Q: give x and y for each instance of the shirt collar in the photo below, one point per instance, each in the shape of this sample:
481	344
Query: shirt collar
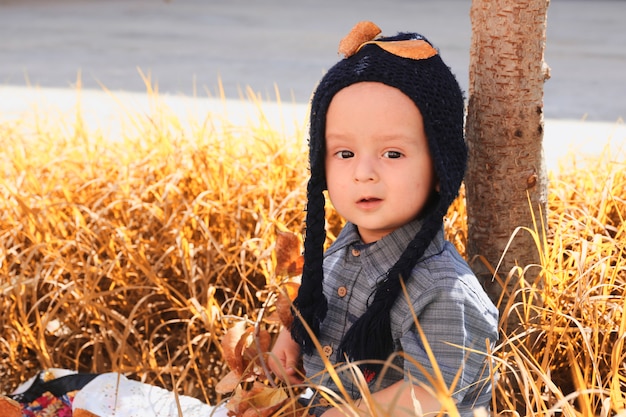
383	254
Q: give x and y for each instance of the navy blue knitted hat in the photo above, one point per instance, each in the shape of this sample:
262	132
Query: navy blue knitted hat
411	64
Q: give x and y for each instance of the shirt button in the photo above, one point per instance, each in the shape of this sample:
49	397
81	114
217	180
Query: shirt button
356	252
328	350
342	291
324	402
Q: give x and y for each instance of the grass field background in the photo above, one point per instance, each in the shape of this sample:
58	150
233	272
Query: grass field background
135	249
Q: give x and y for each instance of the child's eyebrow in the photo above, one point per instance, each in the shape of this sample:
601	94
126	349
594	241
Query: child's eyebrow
338	137
402	138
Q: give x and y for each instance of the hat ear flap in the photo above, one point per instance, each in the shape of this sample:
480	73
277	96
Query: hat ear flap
311	304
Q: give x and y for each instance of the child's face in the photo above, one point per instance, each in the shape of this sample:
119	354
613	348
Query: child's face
378	167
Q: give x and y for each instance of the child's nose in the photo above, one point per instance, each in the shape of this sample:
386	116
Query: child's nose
365	170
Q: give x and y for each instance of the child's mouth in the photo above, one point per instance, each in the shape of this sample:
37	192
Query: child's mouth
368	202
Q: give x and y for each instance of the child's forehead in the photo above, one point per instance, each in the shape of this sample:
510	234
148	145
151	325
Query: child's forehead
371	85
375	94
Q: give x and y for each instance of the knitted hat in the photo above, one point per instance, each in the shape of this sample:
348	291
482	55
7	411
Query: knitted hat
411	64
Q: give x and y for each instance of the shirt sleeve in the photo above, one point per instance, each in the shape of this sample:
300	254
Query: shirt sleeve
458	322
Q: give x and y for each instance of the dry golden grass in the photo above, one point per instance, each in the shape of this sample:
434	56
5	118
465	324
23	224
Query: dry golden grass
569	358
132	255
136	254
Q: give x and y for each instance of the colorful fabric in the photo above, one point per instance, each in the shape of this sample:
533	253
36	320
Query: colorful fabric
49	405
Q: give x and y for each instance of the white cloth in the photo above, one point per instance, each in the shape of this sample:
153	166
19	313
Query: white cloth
114	395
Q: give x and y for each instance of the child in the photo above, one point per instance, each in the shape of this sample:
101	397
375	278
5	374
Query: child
386	141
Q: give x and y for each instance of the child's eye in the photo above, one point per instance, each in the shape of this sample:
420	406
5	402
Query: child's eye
392	154
344	154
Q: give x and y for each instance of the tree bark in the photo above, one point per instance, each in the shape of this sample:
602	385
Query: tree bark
506	169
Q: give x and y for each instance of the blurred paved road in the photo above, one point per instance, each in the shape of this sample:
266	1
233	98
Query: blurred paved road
185	46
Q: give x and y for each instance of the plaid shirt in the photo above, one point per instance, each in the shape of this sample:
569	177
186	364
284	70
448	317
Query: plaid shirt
452	309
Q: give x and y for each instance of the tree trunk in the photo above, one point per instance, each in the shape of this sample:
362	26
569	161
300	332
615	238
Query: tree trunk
506	169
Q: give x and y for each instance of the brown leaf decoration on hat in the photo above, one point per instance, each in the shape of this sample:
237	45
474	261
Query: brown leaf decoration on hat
412	48
361	32
365	33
